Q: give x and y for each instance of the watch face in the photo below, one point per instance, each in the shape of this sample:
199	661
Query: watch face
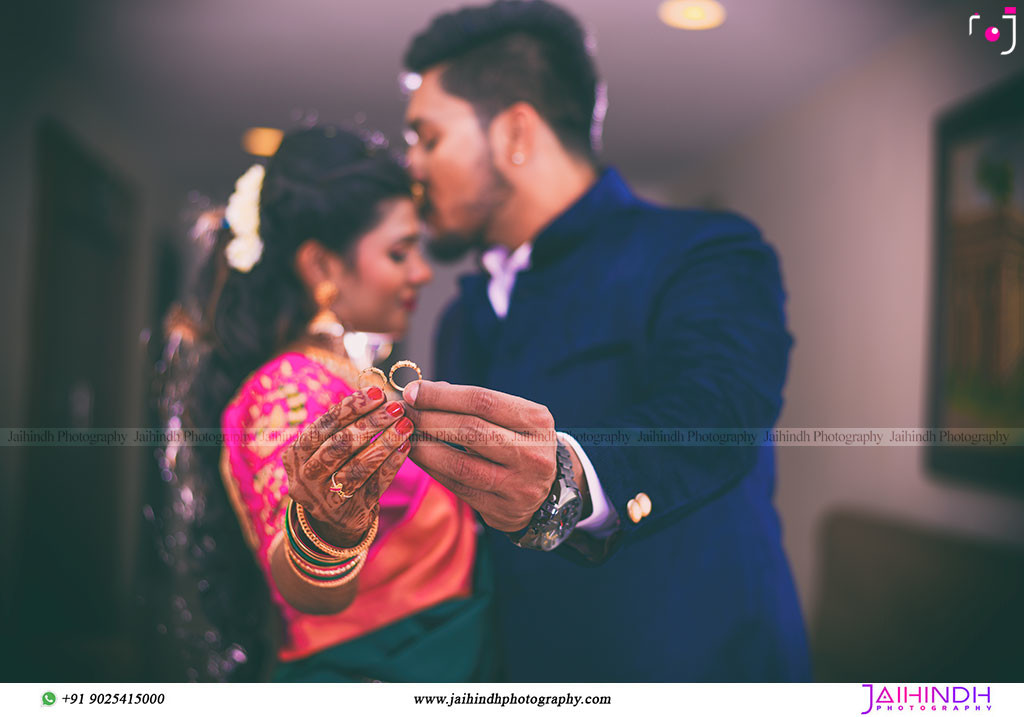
549	539
555	532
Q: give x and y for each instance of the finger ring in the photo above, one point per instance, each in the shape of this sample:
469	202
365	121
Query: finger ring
373	371
403	364
338	489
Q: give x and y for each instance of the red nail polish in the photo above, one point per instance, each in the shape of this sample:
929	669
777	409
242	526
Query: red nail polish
375	394
394	409
404	448
404	426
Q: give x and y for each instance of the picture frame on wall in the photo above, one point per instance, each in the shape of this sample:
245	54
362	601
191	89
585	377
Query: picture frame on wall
976	401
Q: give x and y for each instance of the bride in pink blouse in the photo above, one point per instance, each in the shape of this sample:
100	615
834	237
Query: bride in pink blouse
372	566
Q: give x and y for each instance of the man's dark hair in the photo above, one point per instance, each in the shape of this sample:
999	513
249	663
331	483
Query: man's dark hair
515	51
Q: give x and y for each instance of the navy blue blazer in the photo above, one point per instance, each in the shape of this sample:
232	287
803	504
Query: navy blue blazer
633	316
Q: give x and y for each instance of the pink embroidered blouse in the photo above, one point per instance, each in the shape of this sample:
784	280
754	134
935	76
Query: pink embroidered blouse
426	544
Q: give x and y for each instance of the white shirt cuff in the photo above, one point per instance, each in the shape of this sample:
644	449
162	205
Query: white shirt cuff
603	520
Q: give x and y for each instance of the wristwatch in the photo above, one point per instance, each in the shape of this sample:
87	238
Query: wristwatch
558	514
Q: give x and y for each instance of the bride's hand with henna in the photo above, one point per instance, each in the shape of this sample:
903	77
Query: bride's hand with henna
341	443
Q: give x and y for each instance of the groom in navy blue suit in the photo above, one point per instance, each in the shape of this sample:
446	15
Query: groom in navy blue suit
596	317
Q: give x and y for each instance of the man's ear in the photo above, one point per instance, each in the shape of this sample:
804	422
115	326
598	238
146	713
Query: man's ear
513	136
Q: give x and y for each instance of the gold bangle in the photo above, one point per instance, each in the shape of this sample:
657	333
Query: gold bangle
333	549
295	540
403	364
314	571
293	537
346	578
295	563
349	577
315	566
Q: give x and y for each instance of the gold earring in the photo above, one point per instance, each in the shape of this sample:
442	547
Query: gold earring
416	188
326	321
324	294
403	364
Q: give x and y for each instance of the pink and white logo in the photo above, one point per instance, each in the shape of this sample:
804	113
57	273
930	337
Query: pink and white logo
928	698
994	34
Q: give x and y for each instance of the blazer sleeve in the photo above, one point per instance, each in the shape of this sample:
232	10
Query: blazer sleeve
718	348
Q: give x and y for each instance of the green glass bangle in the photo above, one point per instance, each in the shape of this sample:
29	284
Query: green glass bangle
316	558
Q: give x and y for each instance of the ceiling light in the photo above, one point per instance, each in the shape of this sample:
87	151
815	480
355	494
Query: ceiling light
691	14
261	141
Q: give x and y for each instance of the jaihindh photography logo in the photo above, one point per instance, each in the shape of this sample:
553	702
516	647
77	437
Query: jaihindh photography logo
995	33
927	698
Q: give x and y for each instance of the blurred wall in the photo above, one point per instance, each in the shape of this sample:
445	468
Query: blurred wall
842	186
102	134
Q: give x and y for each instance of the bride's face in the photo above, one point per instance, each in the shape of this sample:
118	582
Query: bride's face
379	285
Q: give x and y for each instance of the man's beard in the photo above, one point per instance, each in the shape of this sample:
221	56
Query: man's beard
450	247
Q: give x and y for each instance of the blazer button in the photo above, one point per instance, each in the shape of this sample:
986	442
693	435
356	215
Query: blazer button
644	501
634	510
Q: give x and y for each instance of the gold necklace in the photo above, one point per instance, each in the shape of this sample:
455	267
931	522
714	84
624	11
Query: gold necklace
341	366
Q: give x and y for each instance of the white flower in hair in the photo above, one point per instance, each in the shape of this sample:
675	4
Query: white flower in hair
243	216
243	252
